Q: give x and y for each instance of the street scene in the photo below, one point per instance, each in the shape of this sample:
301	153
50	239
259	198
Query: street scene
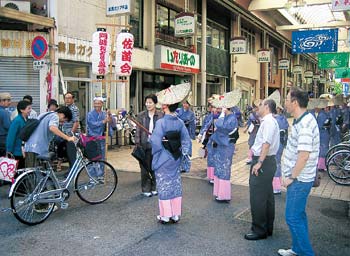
175	127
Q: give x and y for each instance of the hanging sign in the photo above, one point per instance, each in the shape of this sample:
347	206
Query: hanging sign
311	41
283	64
264	55
316	77
342	73
297	69
308	74
340	5
100	52
184	24
118	7
124	49
39	47
333	60
238	45
323	80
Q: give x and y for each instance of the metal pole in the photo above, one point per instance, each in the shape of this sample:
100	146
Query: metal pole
203	54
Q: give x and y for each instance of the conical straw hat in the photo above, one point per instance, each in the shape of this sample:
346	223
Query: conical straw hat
276	96
228	100
322	103
338	99
174	94
312	103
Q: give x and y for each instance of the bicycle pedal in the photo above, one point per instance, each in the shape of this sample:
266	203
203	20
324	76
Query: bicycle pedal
64	206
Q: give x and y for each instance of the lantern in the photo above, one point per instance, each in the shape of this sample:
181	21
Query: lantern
123	58
100	52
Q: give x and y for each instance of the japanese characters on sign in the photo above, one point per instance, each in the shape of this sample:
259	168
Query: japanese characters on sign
118	7
101	49
238	45
283	64
264	55
311	41
297	69
308	74
184	24
333	60
123	58
340	5
74	49
176	60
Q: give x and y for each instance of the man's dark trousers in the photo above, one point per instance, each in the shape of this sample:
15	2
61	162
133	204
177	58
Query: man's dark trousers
262	201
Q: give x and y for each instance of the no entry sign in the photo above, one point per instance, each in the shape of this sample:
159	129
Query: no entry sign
39	47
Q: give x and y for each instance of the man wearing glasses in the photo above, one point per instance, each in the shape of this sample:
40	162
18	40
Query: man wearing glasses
5	120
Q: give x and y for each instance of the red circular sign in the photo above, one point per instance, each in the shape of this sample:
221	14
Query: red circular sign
39	47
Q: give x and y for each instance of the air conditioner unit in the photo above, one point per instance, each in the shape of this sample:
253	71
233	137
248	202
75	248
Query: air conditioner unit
22	6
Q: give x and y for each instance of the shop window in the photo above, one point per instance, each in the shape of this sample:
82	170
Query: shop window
249	34
136	23
165	20
209	35
199	32
216	35
215	38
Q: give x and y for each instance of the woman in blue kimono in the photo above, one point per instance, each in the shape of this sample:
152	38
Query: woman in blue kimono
252	128
222	148
335	129
324	125
170	142
187	115
283	126
207	130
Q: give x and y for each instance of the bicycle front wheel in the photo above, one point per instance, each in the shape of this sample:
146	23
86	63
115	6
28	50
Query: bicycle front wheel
96	181
23	199
338	167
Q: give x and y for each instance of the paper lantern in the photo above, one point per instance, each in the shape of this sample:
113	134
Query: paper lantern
101	48
123	58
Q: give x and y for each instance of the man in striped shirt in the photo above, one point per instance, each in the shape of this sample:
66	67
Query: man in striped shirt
299	170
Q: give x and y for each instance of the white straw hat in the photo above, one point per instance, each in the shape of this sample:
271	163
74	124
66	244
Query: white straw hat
228	100
174	94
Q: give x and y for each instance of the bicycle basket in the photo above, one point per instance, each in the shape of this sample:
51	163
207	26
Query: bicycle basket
91	147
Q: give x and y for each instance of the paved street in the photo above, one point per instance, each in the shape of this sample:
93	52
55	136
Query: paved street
126	224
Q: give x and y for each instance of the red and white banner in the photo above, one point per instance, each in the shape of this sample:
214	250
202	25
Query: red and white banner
123	58
101	49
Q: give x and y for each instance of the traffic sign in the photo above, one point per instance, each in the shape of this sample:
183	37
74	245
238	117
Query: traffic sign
39	47
38	64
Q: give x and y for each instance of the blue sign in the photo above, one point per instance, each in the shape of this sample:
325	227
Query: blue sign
345	89
39	47
310	41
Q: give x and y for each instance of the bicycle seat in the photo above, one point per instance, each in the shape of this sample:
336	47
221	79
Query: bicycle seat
49	157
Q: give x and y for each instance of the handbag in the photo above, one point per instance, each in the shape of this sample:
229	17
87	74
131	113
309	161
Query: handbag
8	166
138	153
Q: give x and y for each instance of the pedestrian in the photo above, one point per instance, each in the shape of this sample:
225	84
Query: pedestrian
335	127
252	128
345	115
33	114
39	141
283	126
299	166
52	105
262	171
71	127
324	125
171	144
5	120
204	135
13	141
147	119
222	145
187	115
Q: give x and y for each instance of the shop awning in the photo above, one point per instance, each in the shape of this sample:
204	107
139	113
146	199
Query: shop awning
26	17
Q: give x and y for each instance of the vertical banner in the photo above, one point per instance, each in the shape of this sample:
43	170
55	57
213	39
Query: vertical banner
123	58
100	52
312	41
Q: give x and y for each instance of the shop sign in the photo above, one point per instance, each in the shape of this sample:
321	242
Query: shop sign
101	49
323	80
340	5
38	64
264	55
238	45
308	74
124	50
283	64
311	41
74	49
331	83
184	24
118	7
342	73
18	43
297	69
176	60
333	60
316	77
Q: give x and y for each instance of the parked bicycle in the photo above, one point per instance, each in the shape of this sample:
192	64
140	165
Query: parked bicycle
37	190
338	167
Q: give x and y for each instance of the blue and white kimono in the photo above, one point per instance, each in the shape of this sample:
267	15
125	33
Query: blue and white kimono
283	125
166	168
324	133
189	120
253	118
335	137
221	148
208	123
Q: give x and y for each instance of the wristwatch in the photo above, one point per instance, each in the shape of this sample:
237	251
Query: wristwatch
291	178
260	161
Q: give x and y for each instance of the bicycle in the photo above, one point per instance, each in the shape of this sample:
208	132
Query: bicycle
338	167
36	191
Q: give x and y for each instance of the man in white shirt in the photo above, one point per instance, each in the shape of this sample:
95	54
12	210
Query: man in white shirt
299	166
263	168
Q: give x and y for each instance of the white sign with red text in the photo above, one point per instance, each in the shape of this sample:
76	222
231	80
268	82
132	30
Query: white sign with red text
101	48
123	58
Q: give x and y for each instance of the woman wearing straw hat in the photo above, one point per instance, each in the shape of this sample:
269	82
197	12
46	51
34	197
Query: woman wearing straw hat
252	128
171	144
222	145
187	115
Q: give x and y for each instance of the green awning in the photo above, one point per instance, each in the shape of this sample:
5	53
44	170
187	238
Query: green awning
333	60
